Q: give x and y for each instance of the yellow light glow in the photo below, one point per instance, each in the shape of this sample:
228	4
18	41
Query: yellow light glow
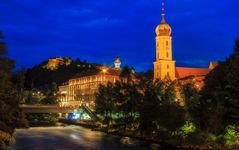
104	70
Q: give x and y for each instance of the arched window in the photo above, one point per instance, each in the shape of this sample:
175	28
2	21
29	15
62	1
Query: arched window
167	73
167	66
167	54
166	43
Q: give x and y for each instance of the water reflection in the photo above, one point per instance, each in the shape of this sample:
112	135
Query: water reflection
73	137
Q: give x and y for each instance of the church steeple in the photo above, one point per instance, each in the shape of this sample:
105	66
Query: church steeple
163	29
164	66
117	62
163	14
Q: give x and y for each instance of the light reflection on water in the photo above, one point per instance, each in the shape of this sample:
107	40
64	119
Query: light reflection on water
73	137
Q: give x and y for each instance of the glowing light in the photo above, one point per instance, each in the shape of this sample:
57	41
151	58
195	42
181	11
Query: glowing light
75	115
104	70
75	137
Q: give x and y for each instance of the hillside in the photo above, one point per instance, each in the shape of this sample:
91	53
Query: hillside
41	76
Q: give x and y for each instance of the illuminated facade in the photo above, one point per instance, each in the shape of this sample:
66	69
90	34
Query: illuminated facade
164	66
83	87
53	63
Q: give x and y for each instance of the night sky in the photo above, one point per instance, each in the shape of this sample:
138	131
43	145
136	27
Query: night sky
100	30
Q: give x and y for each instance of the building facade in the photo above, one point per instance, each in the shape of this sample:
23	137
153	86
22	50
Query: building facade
83	87
53	63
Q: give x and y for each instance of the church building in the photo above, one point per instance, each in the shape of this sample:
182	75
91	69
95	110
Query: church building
164	65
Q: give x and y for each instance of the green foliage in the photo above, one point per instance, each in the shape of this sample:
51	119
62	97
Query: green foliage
159	110
105	103
231	136
187	129
219	102
43	117
132	107
191	97
216	106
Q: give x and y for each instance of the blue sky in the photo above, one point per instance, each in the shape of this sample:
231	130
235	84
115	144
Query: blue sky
100	30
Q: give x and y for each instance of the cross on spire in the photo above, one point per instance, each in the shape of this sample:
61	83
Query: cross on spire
163	14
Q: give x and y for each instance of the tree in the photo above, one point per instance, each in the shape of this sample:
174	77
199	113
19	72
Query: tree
148	110
172	115
128	98
219	104
39	77
51	95
126	73
191	96
105	104
160	113
8	97
19	81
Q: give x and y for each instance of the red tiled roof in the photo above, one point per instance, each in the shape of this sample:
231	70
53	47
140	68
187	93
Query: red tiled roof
213	64
182	72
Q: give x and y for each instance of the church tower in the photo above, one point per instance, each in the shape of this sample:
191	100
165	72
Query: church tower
164	66
117	63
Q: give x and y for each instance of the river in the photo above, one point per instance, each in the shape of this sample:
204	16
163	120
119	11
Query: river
73	137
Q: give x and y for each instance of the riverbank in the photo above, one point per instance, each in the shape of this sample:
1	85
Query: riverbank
93	127
163	144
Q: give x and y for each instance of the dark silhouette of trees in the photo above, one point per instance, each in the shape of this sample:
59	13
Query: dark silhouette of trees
105	103
215	109
148	108
127	73
191	97
10	114
39	77
159	112
219	103
51	95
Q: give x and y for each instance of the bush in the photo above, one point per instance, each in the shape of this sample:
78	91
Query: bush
231	136
186	129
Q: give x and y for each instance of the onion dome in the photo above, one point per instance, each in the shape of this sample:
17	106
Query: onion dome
163	29
117	60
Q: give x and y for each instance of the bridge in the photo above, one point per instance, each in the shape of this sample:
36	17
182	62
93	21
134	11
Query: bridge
46	109
56	109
